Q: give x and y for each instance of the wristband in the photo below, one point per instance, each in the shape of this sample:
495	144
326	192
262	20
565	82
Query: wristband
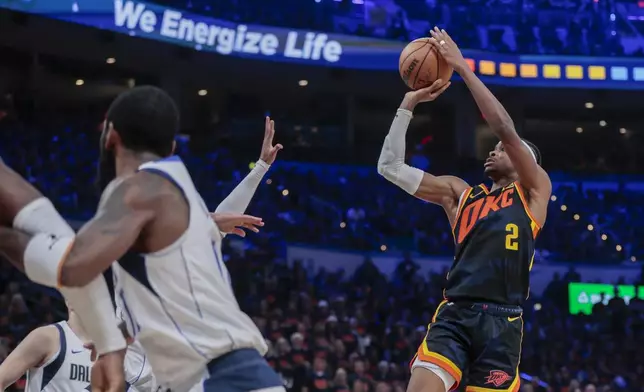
93	305
44	257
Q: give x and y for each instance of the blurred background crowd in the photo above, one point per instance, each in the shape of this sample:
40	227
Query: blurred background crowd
356	329
580	27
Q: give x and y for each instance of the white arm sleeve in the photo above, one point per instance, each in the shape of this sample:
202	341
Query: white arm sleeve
391	163
240	197
92	303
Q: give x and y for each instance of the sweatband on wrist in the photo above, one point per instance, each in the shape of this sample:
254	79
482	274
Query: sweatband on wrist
40	216
93	305
44	257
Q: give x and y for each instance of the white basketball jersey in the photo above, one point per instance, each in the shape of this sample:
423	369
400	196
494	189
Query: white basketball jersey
178	302
138	374
67	371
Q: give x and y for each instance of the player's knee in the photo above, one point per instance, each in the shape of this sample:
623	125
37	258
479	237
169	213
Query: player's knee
428	377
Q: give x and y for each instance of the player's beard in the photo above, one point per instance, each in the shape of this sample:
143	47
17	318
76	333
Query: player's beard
106	165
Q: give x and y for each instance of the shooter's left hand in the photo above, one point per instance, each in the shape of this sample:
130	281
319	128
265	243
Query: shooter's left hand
445	45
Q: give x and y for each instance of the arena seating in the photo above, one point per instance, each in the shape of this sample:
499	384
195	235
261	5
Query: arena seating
334	206
598	28
330	332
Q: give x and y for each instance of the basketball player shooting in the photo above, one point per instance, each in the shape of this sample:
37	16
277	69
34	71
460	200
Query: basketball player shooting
478	326
171	281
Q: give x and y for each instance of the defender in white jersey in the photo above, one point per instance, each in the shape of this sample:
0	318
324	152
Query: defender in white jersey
53	357
172	284
137	368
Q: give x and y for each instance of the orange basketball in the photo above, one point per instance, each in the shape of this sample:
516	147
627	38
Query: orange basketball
420	65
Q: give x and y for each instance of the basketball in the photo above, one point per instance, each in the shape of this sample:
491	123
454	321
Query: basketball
420	65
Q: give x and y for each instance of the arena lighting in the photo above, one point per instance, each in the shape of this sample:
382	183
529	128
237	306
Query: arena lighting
269	181
80	82
537	306
579	129
602	123
589	105
202	93
622	131
110	60
343	225
303	83
285	192
383	248
590	227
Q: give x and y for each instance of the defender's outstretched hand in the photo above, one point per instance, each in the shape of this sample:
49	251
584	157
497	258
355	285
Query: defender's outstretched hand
230	223
446	46
269	151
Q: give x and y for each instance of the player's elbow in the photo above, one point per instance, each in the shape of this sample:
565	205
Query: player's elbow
386	170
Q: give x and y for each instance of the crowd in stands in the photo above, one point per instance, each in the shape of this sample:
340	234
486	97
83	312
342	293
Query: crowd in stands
335	333
339	206
582	27
329	331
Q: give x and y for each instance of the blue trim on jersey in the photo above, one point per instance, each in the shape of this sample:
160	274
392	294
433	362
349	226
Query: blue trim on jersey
109	280
171	158
128	313
49	371
135	379
134	264
165	175
192	292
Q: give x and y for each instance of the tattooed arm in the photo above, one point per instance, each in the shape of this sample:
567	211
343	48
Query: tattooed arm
107	237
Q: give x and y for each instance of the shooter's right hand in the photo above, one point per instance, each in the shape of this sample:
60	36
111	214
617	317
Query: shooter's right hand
426	94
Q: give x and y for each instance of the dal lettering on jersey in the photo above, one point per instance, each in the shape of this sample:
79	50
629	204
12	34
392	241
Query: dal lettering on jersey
79	373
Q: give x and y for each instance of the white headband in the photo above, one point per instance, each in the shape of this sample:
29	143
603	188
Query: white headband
534	156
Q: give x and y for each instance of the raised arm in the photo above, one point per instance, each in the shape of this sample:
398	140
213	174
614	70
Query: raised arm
531	176
442	190
240	197
39	346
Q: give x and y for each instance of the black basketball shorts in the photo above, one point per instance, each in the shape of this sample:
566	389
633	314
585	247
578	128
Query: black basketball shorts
481	339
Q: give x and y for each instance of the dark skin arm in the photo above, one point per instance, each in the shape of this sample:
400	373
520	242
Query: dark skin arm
115	228
532	177
15	194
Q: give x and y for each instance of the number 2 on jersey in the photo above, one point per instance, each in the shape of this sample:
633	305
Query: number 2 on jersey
512	238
